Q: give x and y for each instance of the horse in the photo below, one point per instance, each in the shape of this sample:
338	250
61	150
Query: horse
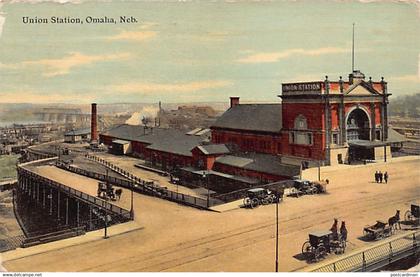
118	193
394	220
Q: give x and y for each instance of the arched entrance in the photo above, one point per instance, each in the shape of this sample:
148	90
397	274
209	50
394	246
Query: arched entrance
358	125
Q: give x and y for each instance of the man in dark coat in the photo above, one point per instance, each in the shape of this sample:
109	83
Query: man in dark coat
380	177
386	177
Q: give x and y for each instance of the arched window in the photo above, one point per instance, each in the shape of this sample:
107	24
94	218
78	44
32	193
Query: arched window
301	123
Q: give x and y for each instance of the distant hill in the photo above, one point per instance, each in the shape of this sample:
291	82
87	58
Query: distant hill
405	106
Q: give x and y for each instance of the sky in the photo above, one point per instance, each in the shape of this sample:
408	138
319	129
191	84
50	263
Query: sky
201	51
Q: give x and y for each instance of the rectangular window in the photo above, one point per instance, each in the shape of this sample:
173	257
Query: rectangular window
335	138
310	138
292	137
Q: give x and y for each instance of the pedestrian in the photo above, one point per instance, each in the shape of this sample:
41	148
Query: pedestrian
380	177
377	176
386	177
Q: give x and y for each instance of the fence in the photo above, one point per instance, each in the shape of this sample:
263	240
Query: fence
11	243
34	155
376	257
81	195
238	194
150	188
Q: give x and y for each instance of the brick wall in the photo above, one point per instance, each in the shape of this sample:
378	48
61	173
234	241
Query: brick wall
248	141
265	177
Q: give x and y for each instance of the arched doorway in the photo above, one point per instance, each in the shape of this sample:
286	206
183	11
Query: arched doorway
358	125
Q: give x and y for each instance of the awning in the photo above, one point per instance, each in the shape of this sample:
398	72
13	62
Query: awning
221	174
120	141
367	143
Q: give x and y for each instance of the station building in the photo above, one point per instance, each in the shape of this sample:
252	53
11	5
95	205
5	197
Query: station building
322	122
317	123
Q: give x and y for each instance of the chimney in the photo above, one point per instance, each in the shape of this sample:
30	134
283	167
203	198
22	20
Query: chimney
234	101
94	124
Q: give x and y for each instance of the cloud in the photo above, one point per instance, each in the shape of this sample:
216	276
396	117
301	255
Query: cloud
42	97
407	78
149	88
136	36
62	66
43	1
2	20
270	57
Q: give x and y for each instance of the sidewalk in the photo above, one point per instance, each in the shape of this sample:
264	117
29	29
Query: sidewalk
112	231
312	173
228	206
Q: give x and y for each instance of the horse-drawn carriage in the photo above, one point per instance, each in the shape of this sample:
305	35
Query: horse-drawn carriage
107	192
382	229
260	196
320	244
303	187
377	231
413	215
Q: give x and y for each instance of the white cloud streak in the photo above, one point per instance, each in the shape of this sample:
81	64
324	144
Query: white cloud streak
136	36
407	78
43	97
270	57
63	66
151	88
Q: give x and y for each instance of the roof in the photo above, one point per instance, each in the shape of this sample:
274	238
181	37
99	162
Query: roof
174	141
367	143
256	190
242	179
260	162
213	149
120	141
252	117
394	136
320	233
125	132
160	139
78	132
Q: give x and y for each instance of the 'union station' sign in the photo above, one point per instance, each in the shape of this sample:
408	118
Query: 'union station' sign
311	87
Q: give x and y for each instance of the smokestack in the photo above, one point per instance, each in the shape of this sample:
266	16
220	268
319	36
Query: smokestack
234	101
94	124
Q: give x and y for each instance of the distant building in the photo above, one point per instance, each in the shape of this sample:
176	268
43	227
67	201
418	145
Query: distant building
77	135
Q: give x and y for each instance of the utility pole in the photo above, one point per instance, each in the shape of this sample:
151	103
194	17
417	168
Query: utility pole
132	202
277	232
106	225
352	52
319	170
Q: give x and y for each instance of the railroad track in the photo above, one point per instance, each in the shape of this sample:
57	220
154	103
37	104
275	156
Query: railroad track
205	247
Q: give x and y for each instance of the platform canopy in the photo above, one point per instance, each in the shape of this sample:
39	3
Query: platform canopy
367	143
120	141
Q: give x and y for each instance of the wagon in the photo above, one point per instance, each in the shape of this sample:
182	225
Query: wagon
320	244
377	231
259	196
413	215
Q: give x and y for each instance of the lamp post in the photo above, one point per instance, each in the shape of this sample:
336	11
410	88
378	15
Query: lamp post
207	184
132	202
106	225
277	232
319	170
